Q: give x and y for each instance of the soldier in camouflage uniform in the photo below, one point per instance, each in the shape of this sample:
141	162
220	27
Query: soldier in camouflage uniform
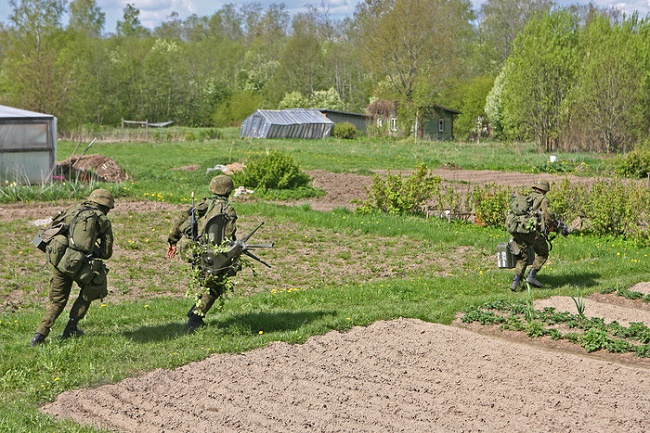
187	230
90	274
536	239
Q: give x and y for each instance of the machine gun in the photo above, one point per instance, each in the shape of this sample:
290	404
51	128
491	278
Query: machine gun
556	227
222	257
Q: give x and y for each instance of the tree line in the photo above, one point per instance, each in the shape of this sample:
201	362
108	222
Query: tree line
572	78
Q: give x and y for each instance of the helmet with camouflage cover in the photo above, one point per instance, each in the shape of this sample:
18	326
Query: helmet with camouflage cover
222	185
542	185
102	197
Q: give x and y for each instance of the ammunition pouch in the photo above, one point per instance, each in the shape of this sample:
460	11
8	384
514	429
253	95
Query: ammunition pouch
71	262
56	248
93	281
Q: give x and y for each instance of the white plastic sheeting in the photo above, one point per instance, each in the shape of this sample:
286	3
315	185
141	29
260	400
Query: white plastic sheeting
27	146
291	123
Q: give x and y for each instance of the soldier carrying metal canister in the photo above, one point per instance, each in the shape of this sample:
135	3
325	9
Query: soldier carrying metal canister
531	228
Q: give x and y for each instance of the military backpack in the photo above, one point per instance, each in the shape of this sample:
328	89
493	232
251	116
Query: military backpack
69	240
521	217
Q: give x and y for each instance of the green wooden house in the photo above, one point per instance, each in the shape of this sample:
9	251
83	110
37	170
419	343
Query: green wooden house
437	123
434	123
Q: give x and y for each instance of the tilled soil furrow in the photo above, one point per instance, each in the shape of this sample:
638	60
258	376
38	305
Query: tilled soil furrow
402	375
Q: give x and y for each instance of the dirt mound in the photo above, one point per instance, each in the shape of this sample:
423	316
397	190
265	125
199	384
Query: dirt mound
91	167
393	376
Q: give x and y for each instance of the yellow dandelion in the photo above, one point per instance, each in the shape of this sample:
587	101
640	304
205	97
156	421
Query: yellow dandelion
261	332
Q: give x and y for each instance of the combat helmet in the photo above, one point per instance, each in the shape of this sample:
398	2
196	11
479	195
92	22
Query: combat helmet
102	197
222	185
542	185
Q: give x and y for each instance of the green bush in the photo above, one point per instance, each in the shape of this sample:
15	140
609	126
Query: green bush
345	131
491	204
634	165
398	196
609	207
272	170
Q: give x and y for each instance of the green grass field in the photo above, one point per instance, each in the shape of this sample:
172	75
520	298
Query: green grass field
425	269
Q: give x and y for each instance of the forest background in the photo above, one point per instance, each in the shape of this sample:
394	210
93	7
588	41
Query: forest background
569	78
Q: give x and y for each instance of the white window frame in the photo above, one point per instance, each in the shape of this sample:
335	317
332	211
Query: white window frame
380	122
393	124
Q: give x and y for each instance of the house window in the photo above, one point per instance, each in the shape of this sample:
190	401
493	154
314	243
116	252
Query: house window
393	124
380	122
441	125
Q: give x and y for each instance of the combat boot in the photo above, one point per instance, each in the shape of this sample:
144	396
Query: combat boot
532	280
515	282
195	321
38	339
71	329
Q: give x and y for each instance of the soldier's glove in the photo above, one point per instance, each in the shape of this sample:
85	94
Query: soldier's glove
171	251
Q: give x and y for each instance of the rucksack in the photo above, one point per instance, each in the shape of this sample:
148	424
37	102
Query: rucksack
521	217
83	230
521	204
69	239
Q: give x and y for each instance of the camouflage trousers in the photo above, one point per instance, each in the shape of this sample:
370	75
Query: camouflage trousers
59	293
540	246
211	290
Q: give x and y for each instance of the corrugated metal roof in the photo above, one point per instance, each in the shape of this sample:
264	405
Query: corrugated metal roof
13	113
294	116
292	123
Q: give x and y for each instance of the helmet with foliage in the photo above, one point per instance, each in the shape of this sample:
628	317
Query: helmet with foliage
222	185
102	197
542	185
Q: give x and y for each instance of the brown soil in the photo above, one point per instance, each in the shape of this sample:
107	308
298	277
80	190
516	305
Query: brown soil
395	376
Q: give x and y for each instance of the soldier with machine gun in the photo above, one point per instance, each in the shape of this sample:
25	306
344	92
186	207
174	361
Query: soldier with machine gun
206	236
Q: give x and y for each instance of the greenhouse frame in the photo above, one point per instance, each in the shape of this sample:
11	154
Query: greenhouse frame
27	146
291	123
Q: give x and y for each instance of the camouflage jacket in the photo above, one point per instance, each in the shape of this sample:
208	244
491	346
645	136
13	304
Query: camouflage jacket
182	226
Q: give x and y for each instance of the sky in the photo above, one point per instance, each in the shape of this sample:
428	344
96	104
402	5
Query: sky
154	12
